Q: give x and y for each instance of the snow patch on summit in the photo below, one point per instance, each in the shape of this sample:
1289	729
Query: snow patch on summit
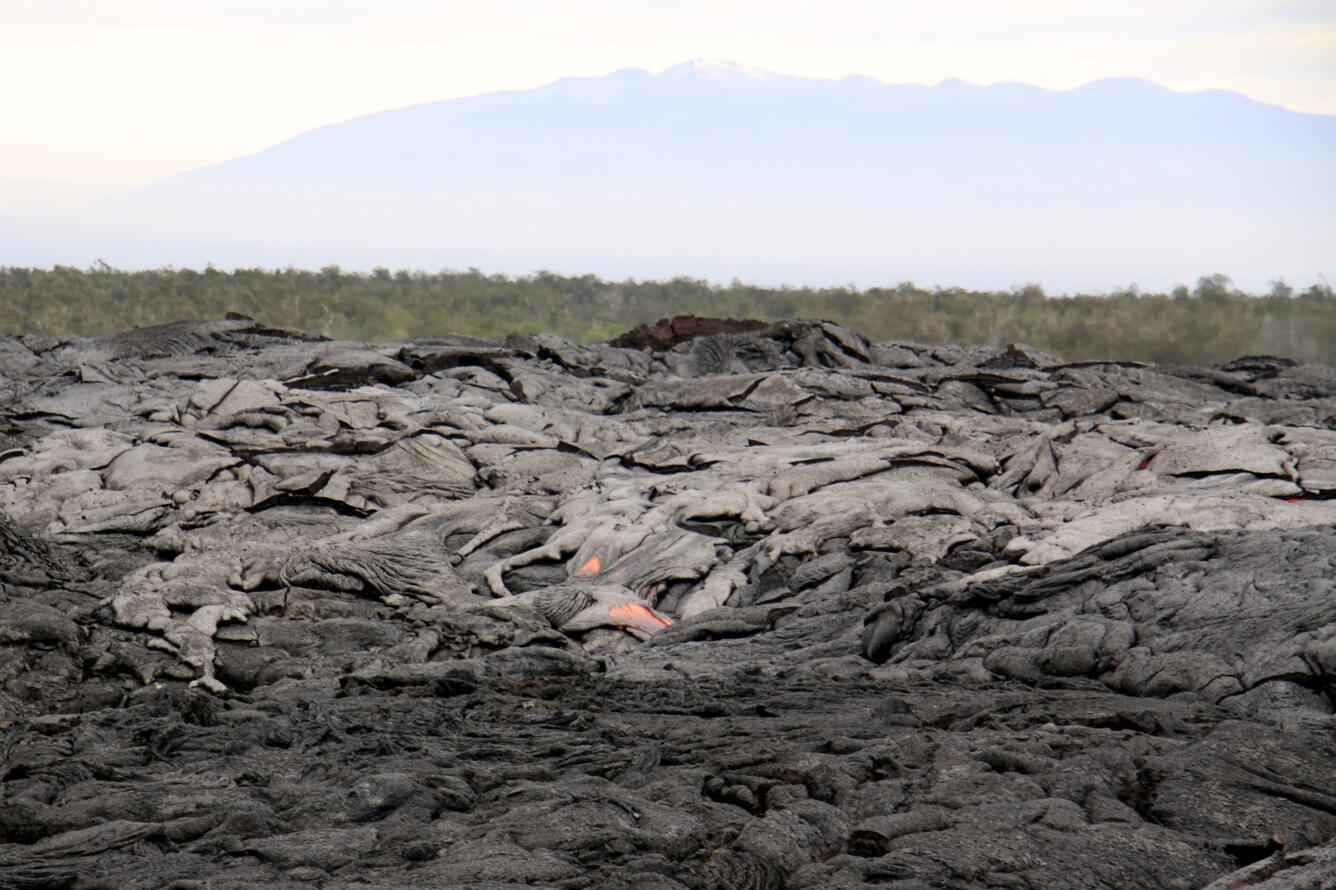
720	69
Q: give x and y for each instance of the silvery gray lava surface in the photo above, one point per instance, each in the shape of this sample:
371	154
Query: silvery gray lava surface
777	608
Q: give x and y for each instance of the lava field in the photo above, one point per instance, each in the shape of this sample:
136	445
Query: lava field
725	606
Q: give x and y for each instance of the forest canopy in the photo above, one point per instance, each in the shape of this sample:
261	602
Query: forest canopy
1211	322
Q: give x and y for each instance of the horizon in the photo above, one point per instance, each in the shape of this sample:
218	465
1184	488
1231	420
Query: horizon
951	145
385	307
1279	286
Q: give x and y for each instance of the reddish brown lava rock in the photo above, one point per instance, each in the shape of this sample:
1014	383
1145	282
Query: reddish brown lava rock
668	332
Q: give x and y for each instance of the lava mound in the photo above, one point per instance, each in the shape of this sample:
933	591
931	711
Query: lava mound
718	605
668	332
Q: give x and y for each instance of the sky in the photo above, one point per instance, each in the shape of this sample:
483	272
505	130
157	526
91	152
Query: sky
100	97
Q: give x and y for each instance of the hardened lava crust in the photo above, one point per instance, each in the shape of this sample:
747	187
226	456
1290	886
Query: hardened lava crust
733	606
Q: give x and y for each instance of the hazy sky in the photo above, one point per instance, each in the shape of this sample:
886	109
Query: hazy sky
99	96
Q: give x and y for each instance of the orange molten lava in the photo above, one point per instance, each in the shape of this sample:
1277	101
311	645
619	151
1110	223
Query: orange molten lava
629	611
592	566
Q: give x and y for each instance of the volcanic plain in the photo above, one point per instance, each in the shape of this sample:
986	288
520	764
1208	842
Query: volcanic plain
722	606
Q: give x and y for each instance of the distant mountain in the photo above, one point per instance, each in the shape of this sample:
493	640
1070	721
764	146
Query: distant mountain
718	170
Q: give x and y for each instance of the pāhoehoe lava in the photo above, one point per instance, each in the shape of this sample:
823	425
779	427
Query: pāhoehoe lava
731	606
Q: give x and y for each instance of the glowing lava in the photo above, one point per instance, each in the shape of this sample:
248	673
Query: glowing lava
631	612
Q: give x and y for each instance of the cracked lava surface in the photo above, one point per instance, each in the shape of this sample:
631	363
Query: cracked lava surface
769	608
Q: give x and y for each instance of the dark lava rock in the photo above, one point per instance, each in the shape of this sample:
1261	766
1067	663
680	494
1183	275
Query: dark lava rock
746	605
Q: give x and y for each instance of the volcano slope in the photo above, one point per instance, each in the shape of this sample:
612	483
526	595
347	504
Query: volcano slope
774	608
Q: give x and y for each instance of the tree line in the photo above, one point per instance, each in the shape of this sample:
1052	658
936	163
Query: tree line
1211	322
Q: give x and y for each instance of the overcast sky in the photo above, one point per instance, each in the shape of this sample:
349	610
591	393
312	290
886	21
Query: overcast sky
100	96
